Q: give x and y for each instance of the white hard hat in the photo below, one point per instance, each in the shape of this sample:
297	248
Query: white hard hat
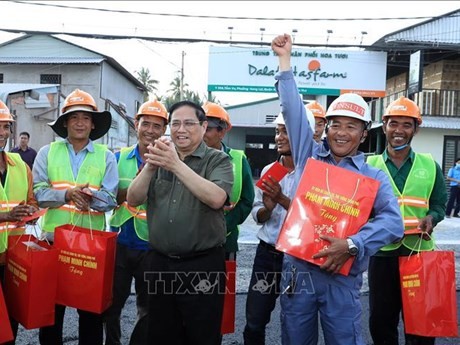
311	119
350	105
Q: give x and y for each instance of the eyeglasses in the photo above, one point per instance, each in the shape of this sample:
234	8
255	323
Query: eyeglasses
188	124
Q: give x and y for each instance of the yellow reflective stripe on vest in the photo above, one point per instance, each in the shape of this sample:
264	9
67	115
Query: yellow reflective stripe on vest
127	170
11	194
91	171
62	185
414	199
138	213
7	206
73	208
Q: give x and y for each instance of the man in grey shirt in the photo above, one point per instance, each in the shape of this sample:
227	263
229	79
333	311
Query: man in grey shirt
185	184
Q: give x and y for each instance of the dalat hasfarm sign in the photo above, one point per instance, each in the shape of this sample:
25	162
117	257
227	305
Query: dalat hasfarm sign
317	72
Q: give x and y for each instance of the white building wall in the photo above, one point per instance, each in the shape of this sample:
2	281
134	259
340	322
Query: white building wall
431	140
119	89
254	114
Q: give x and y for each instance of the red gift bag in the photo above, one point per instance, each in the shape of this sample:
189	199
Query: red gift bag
228	317
329	201
429	294
6	334
86	264
31	281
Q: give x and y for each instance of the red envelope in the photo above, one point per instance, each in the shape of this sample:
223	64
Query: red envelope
35	215
277	171
91	195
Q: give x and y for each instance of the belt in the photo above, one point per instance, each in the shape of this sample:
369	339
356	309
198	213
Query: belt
269	247
188	256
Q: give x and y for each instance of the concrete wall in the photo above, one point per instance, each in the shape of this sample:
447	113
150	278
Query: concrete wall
119	89
431	140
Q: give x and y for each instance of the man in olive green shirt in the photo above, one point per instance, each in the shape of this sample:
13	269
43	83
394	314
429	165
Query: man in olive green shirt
186	185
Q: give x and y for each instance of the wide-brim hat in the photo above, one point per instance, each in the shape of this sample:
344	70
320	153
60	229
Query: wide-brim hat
102	121
214	122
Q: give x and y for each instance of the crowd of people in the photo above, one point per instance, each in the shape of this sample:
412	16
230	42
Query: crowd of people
178	202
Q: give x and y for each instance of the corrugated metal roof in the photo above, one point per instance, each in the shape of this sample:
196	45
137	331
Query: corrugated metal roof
441	122
50	60
6	89
47	49
437	32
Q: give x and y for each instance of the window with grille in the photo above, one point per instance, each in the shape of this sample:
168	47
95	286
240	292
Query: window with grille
50	78
137	105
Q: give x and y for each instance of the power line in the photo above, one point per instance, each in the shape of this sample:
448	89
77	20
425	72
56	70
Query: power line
215	17
386	47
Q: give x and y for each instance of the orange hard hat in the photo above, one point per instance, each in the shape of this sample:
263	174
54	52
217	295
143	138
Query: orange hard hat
152	108
403	107
215	110
79	100
317	109
5	115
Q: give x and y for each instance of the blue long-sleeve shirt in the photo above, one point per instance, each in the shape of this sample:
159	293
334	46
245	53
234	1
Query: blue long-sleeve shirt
49	197
126	233
387	225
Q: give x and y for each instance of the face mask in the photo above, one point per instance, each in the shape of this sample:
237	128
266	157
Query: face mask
457	165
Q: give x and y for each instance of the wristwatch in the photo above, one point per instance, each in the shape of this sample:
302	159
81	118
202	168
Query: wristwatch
352	249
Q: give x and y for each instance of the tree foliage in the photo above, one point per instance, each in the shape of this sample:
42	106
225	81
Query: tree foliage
174	94
149	83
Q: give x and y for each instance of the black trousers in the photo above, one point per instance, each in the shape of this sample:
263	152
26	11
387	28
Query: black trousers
268	264
385	303
89	328
454	199
129	264
13	323
186	297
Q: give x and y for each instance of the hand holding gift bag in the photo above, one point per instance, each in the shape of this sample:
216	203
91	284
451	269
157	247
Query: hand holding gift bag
85	267
31	281
329	201
429	295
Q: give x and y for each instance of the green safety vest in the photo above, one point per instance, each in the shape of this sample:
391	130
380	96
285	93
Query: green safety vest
414	199
60	175
237	163
236	157
127	170
11	194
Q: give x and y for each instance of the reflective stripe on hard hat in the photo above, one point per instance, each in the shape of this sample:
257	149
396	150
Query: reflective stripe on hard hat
152	108
350	105
403	107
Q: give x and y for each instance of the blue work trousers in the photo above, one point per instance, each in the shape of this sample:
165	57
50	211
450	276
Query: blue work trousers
308	292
